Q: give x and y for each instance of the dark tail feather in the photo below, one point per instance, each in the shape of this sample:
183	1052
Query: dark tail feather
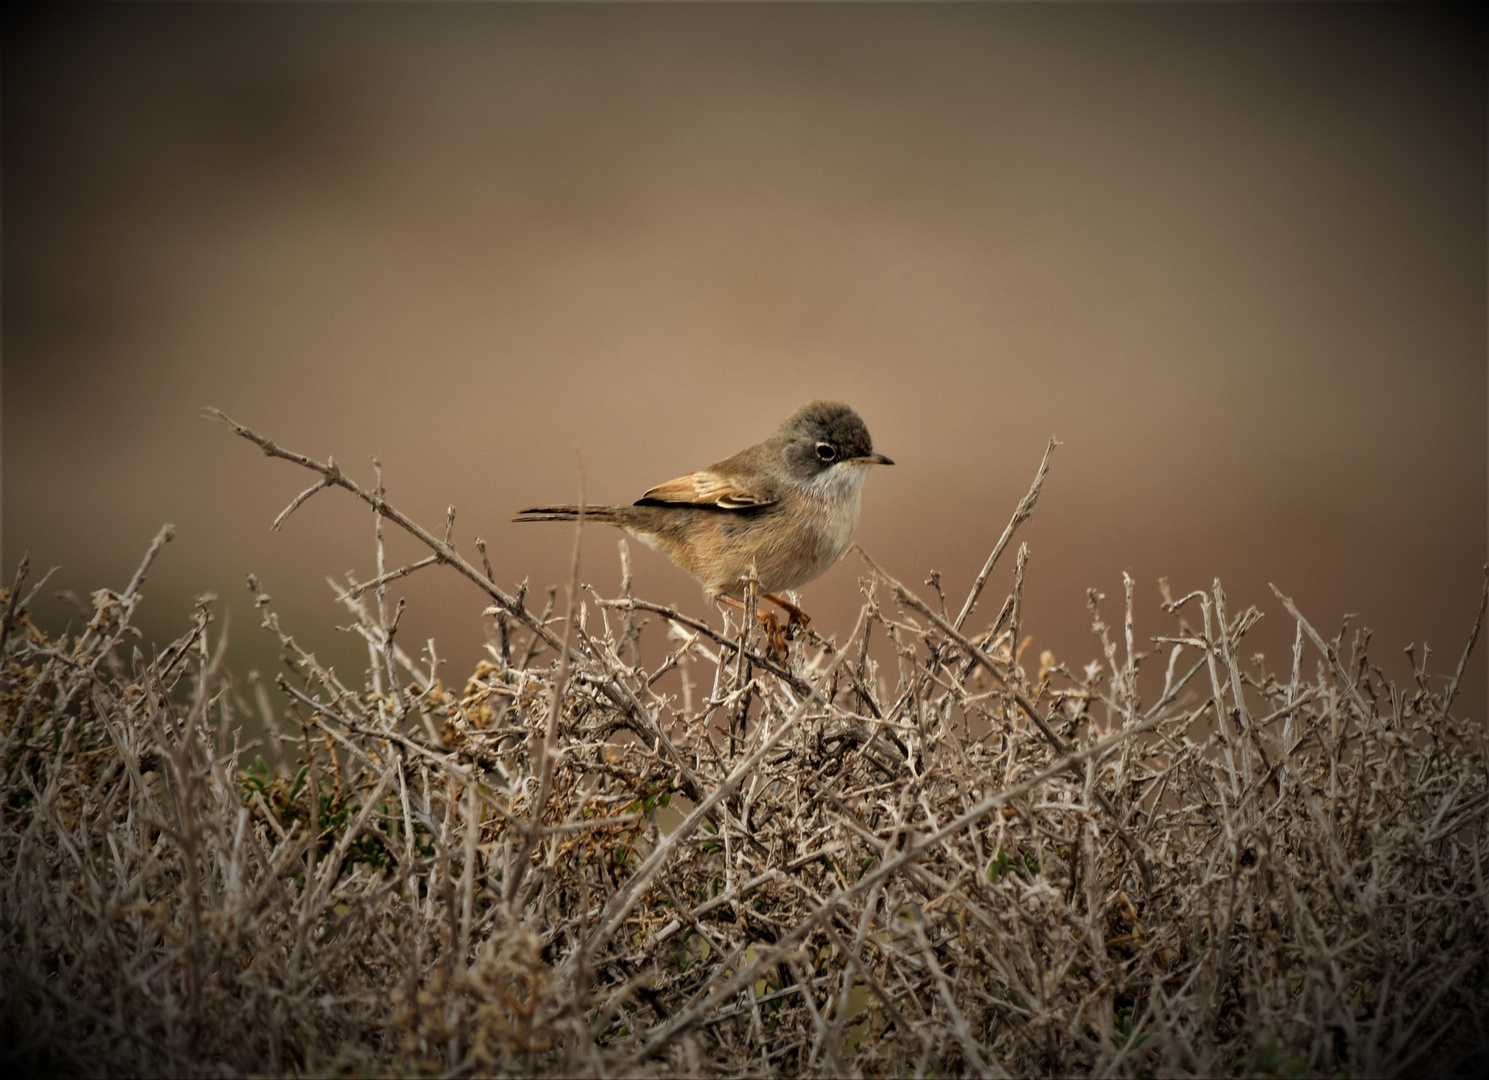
567	513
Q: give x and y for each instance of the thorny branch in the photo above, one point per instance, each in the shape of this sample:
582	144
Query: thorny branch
917	856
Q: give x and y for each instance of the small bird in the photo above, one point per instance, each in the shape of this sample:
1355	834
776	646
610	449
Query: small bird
782	511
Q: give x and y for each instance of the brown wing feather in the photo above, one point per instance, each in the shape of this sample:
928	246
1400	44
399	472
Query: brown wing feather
706	488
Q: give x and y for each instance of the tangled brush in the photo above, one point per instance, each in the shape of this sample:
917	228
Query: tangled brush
905	852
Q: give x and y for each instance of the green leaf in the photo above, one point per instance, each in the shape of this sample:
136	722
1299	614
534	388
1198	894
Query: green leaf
299	780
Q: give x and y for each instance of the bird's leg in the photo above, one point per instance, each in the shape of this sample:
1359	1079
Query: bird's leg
736	604
775	633
797	616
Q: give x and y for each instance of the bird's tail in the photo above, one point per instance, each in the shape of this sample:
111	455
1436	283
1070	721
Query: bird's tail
608	514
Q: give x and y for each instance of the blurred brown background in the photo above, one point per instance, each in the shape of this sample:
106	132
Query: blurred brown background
1234	257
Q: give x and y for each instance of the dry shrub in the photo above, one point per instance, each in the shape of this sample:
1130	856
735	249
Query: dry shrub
937	861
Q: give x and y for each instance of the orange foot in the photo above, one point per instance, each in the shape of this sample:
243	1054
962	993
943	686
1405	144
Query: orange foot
779	636
798	617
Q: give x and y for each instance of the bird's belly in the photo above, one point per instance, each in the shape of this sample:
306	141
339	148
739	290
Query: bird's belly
789	551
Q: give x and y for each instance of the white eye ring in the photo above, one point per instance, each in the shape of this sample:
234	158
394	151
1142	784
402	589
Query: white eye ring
826	451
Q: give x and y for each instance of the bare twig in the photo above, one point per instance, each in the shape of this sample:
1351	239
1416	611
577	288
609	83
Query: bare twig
1021	513
15	598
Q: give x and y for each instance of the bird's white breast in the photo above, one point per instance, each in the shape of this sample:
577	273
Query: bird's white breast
834	494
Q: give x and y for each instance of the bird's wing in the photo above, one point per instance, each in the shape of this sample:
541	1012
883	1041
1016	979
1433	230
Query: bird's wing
708	488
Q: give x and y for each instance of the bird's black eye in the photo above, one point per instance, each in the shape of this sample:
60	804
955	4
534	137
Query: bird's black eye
826	451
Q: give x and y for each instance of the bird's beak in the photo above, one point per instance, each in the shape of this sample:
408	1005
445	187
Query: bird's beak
873	459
